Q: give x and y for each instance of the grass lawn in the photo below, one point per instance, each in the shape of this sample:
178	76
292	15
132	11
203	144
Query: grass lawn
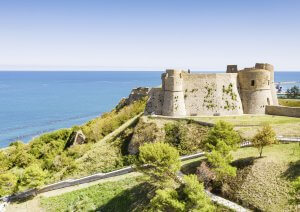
248	125
264	183
129	194
289	102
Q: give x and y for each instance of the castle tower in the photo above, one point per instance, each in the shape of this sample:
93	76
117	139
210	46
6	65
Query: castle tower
270	68
255	89
232	69
172	84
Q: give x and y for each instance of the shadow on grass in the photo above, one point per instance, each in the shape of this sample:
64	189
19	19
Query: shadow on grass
191	168
134	199
244	162
293	171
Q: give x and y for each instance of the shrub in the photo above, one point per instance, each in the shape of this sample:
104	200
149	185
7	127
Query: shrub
166	200
19	156
189	197
160	162
8	183
197	199
96	129
186	137
32	177
220	141
266	136
176	135
296	191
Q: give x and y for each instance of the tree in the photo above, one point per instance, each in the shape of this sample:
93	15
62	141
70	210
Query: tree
221	140
166	200
197	200
293	92
8	183
189	197
264	137
160	162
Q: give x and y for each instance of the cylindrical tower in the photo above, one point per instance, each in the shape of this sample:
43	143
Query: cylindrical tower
173	104
255	90
270	68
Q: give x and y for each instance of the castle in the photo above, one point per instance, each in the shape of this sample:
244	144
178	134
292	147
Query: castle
235	92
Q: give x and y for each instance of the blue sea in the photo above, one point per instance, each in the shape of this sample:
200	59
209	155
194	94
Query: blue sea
32	103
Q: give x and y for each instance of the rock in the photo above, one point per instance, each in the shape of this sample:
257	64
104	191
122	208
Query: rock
77	137
135	95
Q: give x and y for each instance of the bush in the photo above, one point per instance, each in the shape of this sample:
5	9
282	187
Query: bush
98	128
186	137
18	155
221	140
8	183
190	197
266	136
296	191
32	177
160	162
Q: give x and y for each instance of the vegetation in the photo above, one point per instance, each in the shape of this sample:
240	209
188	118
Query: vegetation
186	136
247	125
293	92
264	137
289	102
123	195
190	197
267	179
221	140
50	157
296	191
160	162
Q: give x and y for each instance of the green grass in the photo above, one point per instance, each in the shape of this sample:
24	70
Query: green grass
289	102
123	195
248	125
265	180
251	120
128	194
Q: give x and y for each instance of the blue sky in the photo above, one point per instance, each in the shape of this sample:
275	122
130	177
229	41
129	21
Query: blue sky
148	35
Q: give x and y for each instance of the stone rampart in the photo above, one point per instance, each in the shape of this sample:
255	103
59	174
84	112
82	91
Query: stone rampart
283	111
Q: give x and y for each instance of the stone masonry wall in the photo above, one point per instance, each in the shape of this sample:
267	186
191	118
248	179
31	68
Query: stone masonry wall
211	94
283	111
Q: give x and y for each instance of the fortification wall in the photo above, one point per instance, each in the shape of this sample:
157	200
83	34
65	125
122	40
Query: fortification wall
155	101
211	94
283	111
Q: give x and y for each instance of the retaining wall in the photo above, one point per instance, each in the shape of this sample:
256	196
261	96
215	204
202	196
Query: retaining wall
283	111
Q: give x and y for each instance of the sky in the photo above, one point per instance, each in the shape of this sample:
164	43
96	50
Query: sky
148	35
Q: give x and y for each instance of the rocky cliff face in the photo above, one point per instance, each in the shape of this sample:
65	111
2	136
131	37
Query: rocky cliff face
135	95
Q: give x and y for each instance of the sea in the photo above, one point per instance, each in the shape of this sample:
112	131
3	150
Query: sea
36	102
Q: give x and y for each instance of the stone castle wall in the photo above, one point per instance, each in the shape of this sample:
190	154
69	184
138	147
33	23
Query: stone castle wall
283	111
232	93
211	94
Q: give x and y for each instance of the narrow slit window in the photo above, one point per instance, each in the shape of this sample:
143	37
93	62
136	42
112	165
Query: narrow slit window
268	82
252	82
